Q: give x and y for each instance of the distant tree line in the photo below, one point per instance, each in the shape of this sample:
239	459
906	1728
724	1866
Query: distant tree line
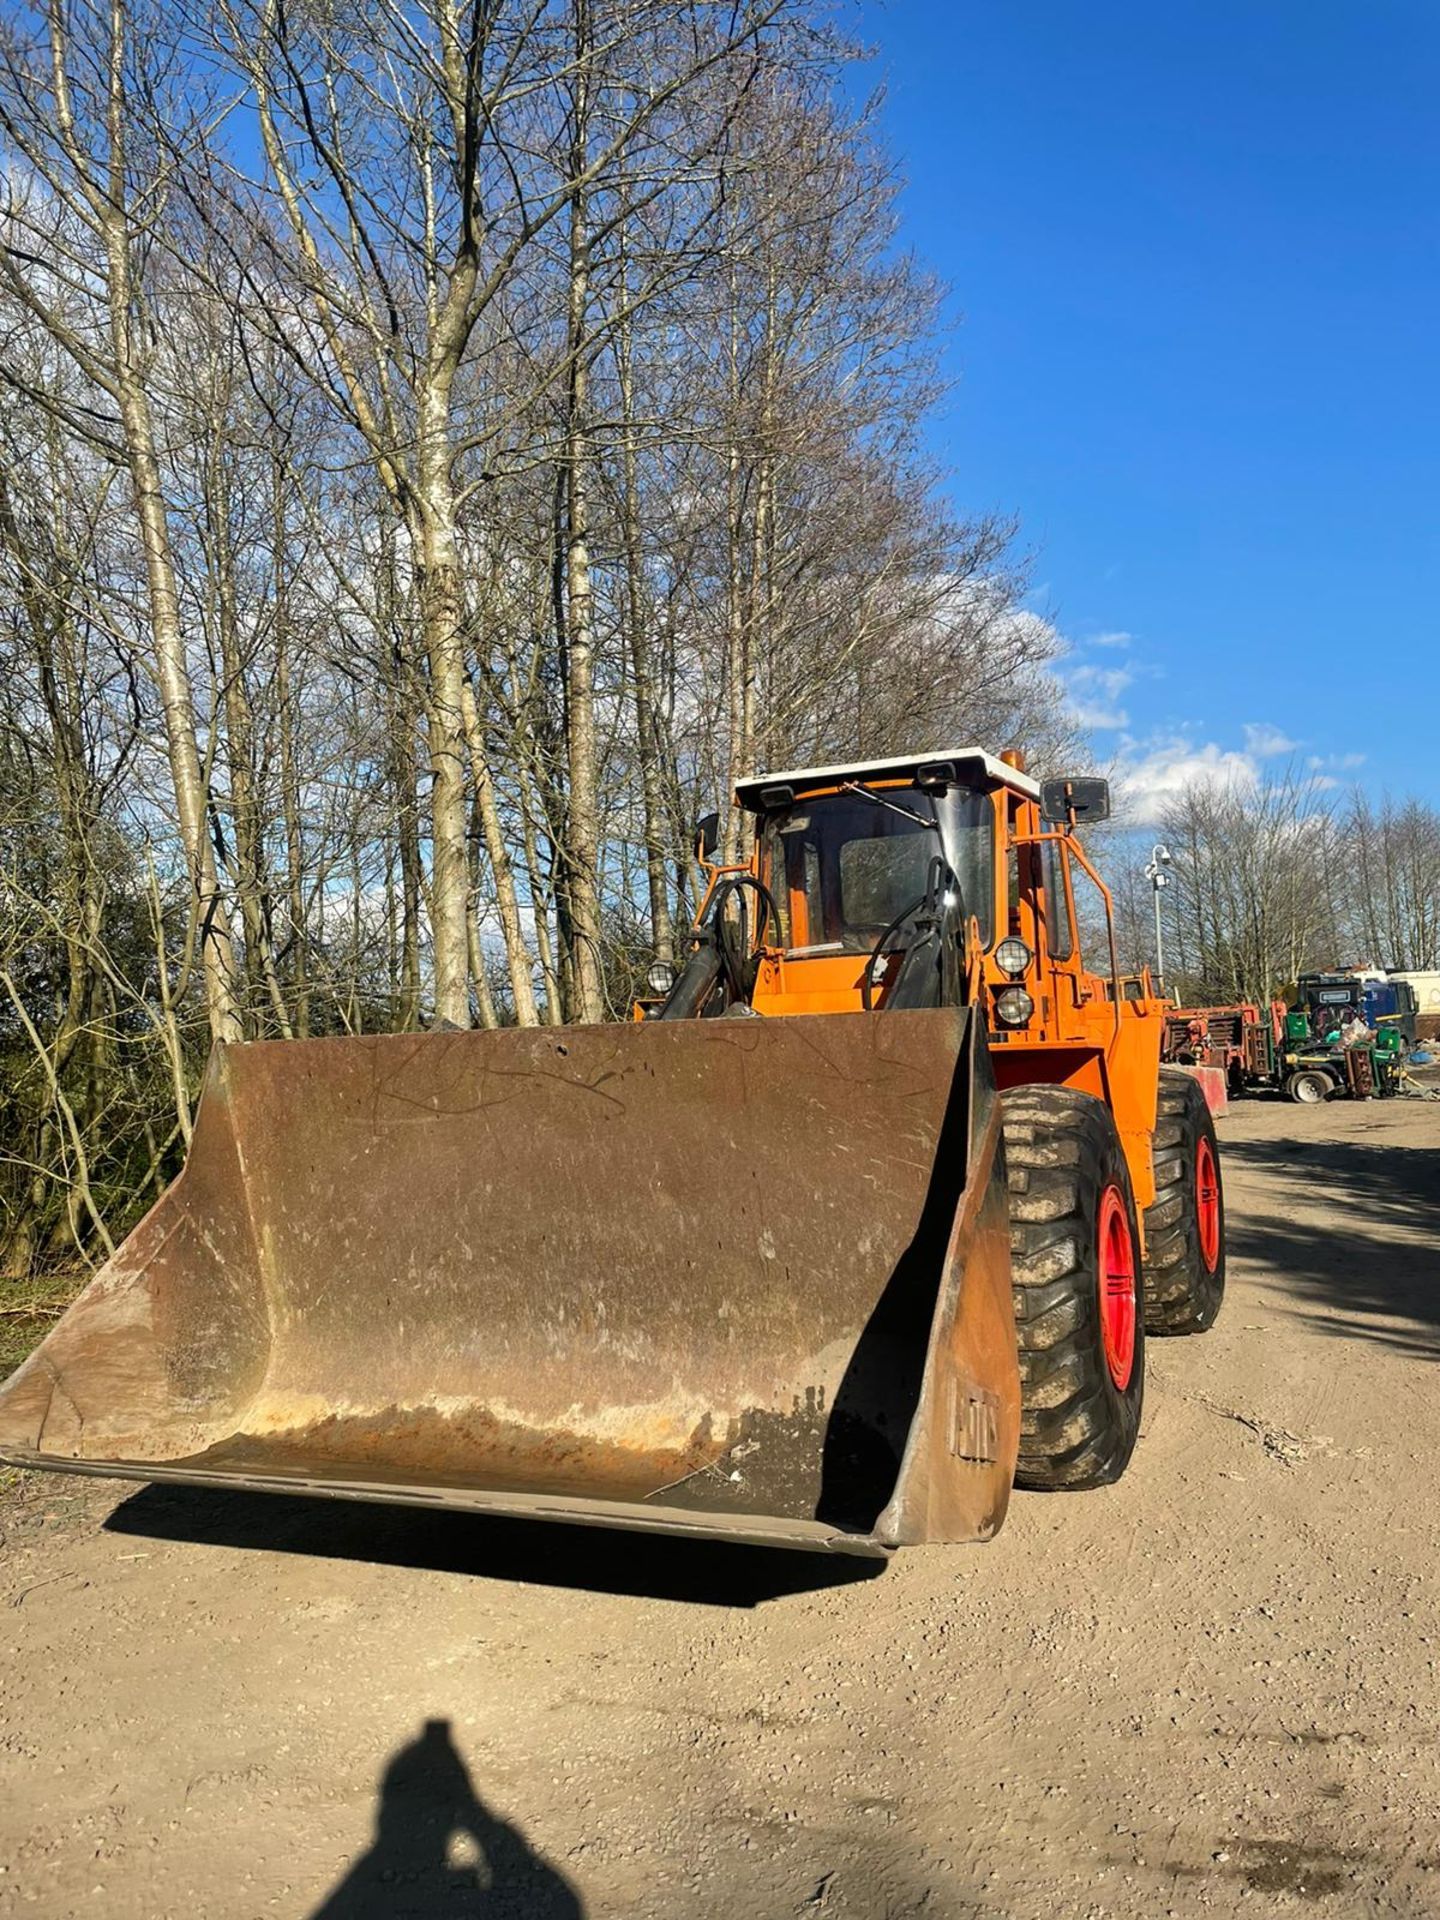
441	447
1278	876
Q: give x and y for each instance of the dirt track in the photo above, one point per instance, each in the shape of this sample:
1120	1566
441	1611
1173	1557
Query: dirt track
1212	1688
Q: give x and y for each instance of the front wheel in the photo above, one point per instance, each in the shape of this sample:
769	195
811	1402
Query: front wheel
1079	1293
1308	1087
1185	1224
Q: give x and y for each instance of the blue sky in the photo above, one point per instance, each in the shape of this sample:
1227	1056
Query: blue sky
1194	249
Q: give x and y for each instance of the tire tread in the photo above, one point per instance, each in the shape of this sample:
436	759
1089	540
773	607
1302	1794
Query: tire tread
1180	1295
1077	1429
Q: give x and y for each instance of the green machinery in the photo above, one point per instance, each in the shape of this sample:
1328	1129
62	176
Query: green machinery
1312	1060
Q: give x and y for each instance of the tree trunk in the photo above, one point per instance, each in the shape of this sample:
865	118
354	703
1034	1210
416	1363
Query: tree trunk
246	821
507	903
736	649
582	829
647	743
441	616
554	1010
217	953
299	981
402	724
737	667
484	999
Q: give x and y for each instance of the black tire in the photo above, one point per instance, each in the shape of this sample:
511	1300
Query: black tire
1185	1225
1308	1086
1069	1183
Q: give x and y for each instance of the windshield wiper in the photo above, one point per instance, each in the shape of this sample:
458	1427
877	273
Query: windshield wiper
878	800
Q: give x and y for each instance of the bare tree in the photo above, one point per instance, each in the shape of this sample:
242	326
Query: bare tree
1390	882
79	113
518	441
1251	907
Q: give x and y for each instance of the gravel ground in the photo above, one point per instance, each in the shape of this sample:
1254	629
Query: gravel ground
1211	1689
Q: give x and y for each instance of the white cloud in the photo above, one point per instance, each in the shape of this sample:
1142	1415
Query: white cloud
1267	741
1098	719
1111	640
1108	680
1150	772
1095	696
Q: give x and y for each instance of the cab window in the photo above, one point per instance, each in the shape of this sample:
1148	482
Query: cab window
1057	910
842	867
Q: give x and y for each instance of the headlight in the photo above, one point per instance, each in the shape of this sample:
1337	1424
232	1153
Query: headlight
1013	957
1014	1006
661	977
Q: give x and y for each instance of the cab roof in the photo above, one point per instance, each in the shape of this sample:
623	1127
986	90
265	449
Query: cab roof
967	767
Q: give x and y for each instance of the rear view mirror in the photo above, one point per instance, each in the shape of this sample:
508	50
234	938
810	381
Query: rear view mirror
707	829
1073	799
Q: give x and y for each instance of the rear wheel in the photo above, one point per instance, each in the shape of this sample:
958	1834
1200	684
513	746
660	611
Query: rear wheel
1079	1314
1185	1226
1309	1086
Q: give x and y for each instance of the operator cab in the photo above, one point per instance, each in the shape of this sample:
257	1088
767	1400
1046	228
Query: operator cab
863	882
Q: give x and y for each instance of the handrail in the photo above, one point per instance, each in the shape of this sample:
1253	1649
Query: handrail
1068	840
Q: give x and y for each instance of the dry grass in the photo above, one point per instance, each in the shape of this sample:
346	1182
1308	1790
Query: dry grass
28	1310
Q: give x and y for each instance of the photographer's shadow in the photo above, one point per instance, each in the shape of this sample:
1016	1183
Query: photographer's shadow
438	1852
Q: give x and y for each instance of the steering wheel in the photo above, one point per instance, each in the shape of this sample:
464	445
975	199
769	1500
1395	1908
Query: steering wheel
733	951
867	978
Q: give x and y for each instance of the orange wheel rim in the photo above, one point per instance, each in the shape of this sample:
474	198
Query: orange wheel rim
1207	1204
1117	1286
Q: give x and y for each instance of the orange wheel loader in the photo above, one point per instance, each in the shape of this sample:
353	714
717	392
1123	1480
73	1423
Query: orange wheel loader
867	1219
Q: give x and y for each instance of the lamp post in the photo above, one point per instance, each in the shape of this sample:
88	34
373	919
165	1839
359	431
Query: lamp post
1155	873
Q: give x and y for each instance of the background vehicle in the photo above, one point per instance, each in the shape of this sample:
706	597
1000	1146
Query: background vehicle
744	1267
1299	1050
1329	999
1312	1061
1424	983
1239	1040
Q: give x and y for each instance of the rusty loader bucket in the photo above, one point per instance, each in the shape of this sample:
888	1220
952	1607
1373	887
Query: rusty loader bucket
738	1277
